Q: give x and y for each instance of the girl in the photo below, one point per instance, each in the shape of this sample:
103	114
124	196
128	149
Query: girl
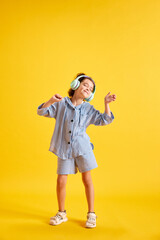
70	142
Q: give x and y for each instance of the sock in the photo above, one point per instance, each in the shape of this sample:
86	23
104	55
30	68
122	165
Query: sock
62	211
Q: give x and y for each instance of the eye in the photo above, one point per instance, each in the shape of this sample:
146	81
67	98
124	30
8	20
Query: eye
85	84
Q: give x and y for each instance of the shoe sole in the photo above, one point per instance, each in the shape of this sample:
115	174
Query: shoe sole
54	224
90	226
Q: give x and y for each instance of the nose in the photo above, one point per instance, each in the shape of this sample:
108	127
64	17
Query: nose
87	89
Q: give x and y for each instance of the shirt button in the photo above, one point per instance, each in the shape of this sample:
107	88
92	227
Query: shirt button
68	142
69	131
71	120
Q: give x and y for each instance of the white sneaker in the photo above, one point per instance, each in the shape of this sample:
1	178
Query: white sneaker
58	218
91	220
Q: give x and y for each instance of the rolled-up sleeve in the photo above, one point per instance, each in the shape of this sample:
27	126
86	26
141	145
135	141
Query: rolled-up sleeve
50	111
100	119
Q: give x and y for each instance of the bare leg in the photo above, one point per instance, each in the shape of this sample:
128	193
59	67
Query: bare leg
61	191
89	189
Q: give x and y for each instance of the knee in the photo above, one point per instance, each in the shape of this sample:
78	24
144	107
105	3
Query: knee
61	180
87	181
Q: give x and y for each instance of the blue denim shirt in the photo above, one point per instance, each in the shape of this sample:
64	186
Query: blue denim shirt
69	137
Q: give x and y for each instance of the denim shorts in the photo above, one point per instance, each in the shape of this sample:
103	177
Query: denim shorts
82	163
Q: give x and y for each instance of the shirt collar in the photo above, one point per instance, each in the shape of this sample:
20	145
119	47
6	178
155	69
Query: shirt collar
68	100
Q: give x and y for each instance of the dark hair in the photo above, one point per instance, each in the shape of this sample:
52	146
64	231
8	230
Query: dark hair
71	91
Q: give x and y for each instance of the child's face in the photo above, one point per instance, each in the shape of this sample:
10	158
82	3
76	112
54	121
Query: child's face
85	88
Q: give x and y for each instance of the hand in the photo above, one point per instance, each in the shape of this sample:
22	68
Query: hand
57	98
109	98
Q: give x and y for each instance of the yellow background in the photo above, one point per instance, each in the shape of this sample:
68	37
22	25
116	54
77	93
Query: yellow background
44	44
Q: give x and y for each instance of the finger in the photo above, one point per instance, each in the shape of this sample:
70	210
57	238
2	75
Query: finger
58	96
113	96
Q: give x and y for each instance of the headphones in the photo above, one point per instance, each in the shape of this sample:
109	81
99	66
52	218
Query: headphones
75	84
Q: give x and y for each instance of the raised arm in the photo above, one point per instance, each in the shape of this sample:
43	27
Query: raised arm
101	119
55	98
108	98
49	108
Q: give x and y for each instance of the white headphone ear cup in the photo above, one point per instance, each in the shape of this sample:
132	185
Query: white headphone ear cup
90	97
75	84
